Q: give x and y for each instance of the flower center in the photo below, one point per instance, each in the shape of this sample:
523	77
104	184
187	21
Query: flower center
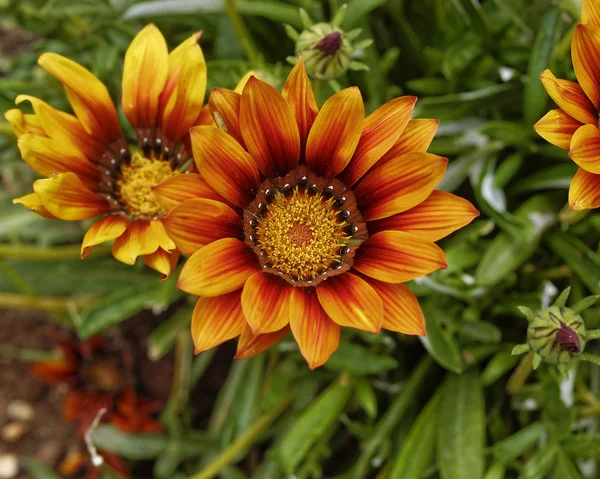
304	228
134	185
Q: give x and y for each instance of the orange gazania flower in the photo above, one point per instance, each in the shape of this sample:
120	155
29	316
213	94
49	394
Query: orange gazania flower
91	170
574	126
307	219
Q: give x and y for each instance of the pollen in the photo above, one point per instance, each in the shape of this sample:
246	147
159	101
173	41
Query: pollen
134	186
301	234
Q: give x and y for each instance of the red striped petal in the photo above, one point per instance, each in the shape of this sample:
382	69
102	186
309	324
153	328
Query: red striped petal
33	203
569	97
179	188
590	12
584	193
416	137
266	302
105	229
252	344
224	106
557	127
585	50
137	240
162	261
585	148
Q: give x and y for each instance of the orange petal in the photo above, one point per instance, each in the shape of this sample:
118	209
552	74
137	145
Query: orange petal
22	123
335	133
67	198
183	102
218	268
381	131
439	215
105	229
177	189
269	128
557	127
216	320
88	96
416	137
569	97
584	193
199	221
162	261
205	117
590	12
397	257
138	240
33	203
349	301
54	371
239	88
225	165
317	335
252	344
298	92
224	106
164	241
266	302
401	310
145	74
585	50
585	148
399	184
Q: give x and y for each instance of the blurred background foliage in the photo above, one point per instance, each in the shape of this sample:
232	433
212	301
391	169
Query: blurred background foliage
453	405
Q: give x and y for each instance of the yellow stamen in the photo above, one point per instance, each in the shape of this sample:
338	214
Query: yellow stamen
301	234
134	186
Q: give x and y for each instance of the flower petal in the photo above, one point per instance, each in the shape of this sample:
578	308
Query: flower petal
137	240
381	131
401	310
22	123
399	184
182	103
216	320
266	302
557	127
397	257
590	12
162	261
218	268
145	74
252	344
105	229
239	88
349	301
416	137
439	215
225	165
33	203
177	189
269	128
317	335
584	193
88	96
67	198
199	221
585	148
335	133
224	106
569	97
298	92
164	241
585	50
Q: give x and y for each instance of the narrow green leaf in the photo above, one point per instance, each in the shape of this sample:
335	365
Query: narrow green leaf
502	362
496	471
516	445
162	339
440	343
365	395
39	470
540	463
358	10
461	430
564	467
481	331
359	360
137	447
473	13
554	177
582	445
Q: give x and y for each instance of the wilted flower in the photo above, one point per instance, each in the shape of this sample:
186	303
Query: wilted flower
91	171
308	219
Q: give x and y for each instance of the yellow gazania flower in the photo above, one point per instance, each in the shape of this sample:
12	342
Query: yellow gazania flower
90	169
574	126
308	219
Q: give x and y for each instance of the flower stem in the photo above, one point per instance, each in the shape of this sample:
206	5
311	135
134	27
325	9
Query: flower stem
43	303
242	33
520	375
56	253
180	391
244	441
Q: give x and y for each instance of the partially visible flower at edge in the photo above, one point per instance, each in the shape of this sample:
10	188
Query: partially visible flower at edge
91	170
315	218
574	126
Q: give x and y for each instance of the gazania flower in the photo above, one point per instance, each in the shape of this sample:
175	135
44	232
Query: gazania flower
91	170
574	126
307	219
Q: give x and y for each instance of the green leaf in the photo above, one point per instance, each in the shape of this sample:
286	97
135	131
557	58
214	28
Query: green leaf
502	362
564	467
162	339
461	430
440	343
365	395
417	450
313	423
359	360
473	13
540	463
535	98
137	447
39	470
358	10
480	331
516	445
553	177
582	445
496	471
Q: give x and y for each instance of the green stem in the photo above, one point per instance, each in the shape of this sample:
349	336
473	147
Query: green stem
56	253
520	375
243	442
392	416
43	303
200	365
592	334
242	33
180	391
